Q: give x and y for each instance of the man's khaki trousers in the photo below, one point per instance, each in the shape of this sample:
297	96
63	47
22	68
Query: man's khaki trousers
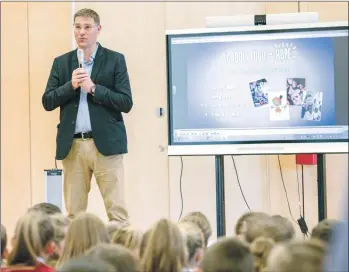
84	159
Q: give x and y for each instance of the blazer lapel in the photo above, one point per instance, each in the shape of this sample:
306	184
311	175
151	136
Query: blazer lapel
74	61
97	63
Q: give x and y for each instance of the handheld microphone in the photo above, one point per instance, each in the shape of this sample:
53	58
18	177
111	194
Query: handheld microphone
81	57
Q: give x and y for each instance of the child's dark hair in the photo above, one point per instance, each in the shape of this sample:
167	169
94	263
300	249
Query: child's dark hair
3	239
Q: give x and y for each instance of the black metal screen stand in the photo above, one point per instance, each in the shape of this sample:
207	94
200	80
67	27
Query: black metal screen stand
321	186
220	195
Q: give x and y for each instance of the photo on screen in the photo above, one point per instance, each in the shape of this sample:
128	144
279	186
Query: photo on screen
278	107
259	92
295	88
312	106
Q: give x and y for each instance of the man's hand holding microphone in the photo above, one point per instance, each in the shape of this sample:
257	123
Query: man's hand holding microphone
80	78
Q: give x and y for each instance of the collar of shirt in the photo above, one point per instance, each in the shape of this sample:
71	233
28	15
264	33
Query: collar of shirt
92	56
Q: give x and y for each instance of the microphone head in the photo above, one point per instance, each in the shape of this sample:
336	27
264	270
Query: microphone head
80	57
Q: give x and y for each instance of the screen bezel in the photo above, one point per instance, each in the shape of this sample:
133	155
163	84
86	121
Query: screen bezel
241	148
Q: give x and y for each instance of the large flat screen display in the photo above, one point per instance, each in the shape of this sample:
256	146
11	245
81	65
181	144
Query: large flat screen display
259	90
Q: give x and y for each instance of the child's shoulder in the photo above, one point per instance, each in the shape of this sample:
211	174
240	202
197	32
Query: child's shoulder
44	268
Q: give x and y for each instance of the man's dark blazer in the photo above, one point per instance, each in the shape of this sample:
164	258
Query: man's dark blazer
112	97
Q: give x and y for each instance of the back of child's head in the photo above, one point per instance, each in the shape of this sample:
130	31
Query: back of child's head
3	240
47	208
272	228
228	255
195	240
113	226
260	249
165	248
34	231
324	229
128	237
60	224
289	230
86	264
121	258
304	256
248	219
85	231
201	221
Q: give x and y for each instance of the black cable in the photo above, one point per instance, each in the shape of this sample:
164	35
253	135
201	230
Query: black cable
237	177
180	189
299	195
302	214
288	203
303	191
56	163
305	234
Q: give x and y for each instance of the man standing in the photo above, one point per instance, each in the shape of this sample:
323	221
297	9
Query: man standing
91	136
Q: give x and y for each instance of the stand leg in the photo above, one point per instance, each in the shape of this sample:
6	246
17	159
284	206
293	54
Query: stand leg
321	186
220	195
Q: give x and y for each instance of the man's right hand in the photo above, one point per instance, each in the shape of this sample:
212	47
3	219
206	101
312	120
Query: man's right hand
78	76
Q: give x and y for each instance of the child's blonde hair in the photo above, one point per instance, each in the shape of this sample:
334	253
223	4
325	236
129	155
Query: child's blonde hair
85	231
264	234
113	226
34	231
305	256
165	249
229	255
60	224
270	227
194	237
324	229
128	237
247	220
260	249
201	221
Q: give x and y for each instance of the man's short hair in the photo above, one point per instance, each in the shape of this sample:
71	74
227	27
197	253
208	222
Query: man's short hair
3	239
88	13
47	208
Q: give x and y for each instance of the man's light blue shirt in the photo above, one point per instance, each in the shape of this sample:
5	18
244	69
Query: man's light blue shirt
83	122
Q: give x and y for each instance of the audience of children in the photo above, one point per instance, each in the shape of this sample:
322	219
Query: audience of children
46	241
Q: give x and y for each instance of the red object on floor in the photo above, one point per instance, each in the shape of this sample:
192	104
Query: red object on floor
306	159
